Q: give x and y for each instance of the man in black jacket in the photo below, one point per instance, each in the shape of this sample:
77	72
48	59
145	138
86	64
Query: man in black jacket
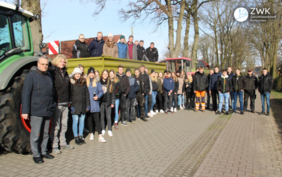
145	77
125	88
59	122
140	95
212	87
208	93
199	87
237	87
80	48
152	53
250	83
265	87
141	52
38	106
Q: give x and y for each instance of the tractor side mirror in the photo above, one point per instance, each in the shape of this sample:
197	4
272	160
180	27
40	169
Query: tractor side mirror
42	45
187	63
36	17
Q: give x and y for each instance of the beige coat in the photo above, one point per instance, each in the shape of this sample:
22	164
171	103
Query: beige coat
110	49
180	88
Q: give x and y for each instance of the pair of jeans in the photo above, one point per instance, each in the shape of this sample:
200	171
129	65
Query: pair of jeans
154	95
75	119
252	95
39	135
106	114
224	96
174	100
123	106
146	105
140	107
189	100
231	100
214	94
96	117
131	109
59	126
180	98
168	101
116	110
236	94
208	99
265	95
159	101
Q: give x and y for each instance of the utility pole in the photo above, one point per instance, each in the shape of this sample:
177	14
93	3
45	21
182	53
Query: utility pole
132	31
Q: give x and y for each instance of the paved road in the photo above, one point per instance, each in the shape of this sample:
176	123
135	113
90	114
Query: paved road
183	144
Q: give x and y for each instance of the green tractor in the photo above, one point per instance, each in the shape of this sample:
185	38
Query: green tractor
16	60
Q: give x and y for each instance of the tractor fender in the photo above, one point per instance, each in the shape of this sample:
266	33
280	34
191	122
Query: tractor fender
8	73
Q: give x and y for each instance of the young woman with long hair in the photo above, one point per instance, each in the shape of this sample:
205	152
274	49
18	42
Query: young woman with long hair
175	90
155	88
159	100
188	87
117	91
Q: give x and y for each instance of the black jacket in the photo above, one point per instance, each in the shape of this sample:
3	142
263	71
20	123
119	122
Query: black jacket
141	85
80	50
117	89
176	86
155	86
108	97
141	53
237	84
152	54
223	84
250	83
38	94
265	83
124	83
189	88
200	82
61	84
145	79
79	96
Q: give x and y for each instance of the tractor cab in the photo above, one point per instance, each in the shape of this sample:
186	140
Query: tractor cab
174	64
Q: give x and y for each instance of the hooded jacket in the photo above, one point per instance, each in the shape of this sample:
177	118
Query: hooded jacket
265	83
124	83
168	84
79	96
152	54
237	83
110	49
61	85
134	87
80	50
224	84
122	50
38	94
94	104
141	85
250	83
145	79
200	82
213	80
117	89
134	51
96	47
141	53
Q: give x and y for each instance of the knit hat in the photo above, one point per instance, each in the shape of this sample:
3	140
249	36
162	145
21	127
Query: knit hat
128	69
110	35
121	37
91	70
76	70
165	71
152	71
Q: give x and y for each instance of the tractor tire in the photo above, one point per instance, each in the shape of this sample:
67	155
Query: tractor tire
13	135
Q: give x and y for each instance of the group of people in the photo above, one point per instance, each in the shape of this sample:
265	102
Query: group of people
51	92
122	49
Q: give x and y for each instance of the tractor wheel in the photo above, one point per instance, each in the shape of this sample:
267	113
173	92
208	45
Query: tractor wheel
14	131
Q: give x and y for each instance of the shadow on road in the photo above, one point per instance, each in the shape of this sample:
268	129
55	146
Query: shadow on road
276	105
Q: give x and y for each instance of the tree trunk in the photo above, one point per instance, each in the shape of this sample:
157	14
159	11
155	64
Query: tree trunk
186	37
196	38
36	26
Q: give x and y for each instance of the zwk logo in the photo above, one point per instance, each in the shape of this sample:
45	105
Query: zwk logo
241	14
262	11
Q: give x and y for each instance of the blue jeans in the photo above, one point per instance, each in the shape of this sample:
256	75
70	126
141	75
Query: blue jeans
146	105
240	94
266	95
75	124
181	99
224	96
231	100
116	110
154	95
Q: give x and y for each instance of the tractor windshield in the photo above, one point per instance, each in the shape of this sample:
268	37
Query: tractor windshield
5	39
21	34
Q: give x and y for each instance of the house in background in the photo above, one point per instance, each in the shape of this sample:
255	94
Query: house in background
202	63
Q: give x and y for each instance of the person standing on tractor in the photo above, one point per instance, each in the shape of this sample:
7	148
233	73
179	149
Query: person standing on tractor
212	87
152	53
110	47
265	87
142	52
122	47
200	85
38	106
132	49
250	83
136	42
96	45
80	48
59	122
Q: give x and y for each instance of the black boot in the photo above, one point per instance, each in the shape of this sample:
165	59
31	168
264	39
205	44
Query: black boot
81	139
77	141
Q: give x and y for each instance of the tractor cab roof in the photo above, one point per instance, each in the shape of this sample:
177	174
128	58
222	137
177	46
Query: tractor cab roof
182	58
4	5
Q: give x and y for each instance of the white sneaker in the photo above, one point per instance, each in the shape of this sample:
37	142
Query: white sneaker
161	111
150	115
102	139
103	132
156	111
171	109
91	136
110	133
152	112
181	107
175	110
